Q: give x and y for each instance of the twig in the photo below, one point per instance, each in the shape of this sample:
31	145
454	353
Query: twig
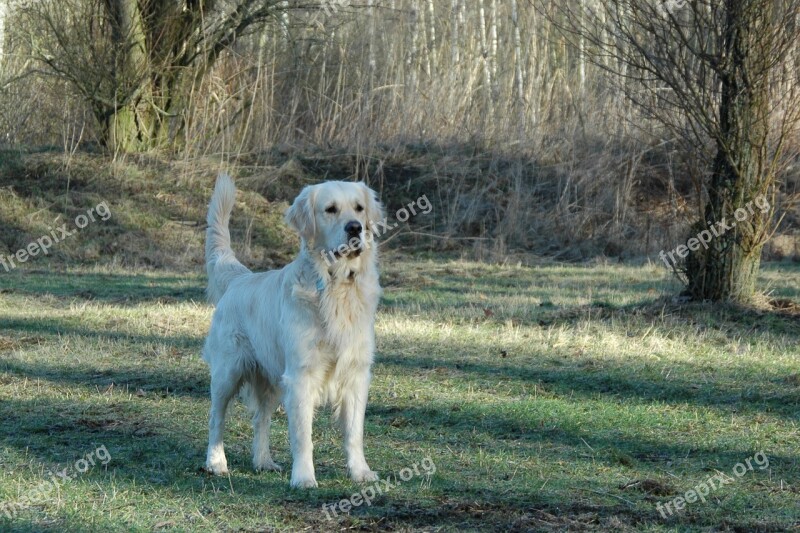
607	494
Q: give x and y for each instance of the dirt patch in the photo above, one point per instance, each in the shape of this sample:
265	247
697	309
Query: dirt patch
9	344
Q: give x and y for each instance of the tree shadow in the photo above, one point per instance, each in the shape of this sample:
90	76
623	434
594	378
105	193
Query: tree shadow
592	379
113	288
172	377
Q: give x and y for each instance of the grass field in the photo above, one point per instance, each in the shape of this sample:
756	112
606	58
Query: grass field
548	398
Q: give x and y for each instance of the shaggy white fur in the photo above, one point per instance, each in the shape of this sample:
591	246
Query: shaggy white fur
302	335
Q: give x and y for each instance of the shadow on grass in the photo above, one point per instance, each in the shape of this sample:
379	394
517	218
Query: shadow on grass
526	432
116	289
592	380
167	380
171	376
736	322
47	326
450	295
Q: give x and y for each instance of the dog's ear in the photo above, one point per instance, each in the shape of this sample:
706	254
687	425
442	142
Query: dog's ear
301	215
374	208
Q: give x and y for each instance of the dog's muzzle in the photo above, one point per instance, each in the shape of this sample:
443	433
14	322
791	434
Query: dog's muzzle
354	243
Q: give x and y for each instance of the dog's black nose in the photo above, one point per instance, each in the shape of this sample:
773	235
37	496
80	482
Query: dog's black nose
353	228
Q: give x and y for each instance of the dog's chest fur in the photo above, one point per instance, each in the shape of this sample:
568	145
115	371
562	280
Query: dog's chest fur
346	311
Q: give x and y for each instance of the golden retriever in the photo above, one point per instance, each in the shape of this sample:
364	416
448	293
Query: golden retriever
302	335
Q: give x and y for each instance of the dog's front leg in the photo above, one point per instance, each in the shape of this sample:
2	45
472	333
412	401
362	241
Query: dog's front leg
351	418
224	383
301	397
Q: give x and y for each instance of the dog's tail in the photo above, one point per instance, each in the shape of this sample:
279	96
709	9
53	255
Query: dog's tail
221	263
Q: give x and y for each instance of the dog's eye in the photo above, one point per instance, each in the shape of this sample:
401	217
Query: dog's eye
359	207
331	209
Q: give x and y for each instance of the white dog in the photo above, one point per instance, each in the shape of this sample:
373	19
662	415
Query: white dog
303	334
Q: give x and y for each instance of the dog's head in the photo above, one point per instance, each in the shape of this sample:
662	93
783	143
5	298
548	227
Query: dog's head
335	219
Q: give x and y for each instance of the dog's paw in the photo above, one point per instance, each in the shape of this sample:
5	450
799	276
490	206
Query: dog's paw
217	468
364	475
216	463
268	466
304	483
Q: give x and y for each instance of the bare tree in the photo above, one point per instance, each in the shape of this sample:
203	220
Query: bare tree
135	62
519	81
712	72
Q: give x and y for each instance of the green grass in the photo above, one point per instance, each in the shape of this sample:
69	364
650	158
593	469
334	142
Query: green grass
548	397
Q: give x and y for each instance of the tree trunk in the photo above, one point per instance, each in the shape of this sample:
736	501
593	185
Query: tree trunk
128	130
136	61
737	214
127	125
519	77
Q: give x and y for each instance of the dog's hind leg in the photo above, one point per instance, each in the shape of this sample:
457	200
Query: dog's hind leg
264	399
224	384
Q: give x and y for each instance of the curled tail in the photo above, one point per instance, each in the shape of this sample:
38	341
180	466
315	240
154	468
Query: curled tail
221	263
